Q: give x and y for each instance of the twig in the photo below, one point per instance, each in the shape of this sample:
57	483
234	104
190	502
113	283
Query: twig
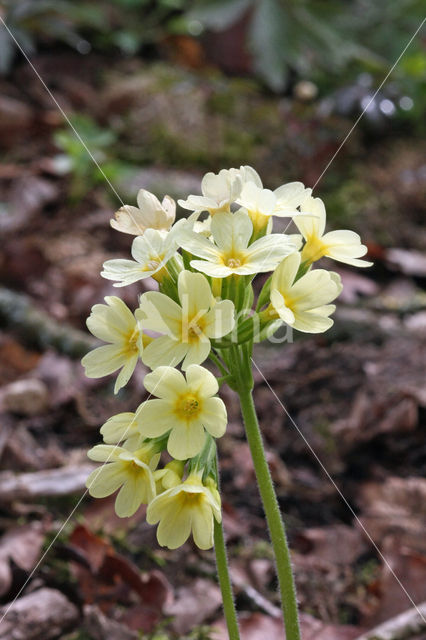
36	328
50	482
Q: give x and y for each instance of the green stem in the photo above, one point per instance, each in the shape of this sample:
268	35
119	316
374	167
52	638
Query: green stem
218	363
273	515
225	582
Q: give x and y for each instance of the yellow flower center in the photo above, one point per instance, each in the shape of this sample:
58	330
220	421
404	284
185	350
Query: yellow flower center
152	265
225	208
131	342
193	329
188	406
258	219
190	499
314	249
289	302
234	259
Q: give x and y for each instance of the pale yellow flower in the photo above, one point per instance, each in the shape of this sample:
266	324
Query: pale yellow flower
262	203
187	508
151	253
219	192
231	252
186	408
344	245
303	304
149	214
130	470
188	326
122	427
113	322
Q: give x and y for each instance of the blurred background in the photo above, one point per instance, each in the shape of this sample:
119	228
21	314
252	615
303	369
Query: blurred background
162	92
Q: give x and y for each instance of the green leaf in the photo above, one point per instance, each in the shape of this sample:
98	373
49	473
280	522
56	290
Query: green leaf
219	14
268	38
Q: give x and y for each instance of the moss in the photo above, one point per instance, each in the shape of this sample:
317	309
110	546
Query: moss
323	430
222	103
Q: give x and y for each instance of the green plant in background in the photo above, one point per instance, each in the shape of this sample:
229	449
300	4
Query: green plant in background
85	24
34	22
79	164
315	38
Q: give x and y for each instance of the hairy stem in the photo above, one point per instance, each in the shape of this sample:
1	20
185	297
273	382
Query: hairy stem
225	582
273	515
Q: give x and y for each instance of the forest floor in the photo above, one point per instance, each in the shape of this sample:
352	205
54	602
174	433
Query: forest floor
344	417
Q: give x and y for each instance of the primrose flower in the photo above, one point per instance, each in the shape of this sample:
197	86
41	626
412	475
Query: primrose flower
303	304
149	214
344	245
151	253
230	253
122	426
262	203
185	407
219	192
187	508
130	470
188	326
113	322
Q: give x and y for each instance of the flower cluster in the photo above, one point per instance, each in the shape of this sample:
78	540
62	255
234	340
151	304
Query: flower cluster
204	308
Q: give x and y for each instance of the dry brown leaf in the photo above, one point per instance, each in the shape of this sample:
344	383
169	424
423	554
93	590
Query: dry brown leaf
194	604
22	545
108	578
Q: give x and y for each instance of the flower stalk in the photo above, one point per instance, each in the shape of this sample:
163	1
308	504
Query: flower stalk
205	307
273	516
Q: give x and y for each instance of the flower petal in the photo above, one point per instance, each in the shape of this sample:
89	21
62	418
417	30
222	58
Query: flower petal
165	382
198	351
186	441
126	373
202	526
103	360
201	381
161	313
154	418
214	417
119	427
219	321
285	273
164	351
106	479
194	293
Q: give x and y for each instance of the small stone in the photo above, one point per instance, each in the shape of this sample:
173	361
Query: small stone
28	397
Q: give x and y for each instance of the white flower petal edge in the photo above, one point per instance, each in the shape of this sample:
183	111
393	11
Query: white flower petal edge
304	304
116	324
150	214
151	253
231	252
343	245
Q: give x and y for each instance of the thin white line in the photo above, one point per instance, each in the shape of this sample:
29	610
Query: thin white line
372	99
66	118
72	513
364	111
340	494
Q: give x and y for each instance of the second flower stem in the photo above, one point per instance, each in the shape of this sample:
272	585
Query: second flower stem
273	516
225	582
